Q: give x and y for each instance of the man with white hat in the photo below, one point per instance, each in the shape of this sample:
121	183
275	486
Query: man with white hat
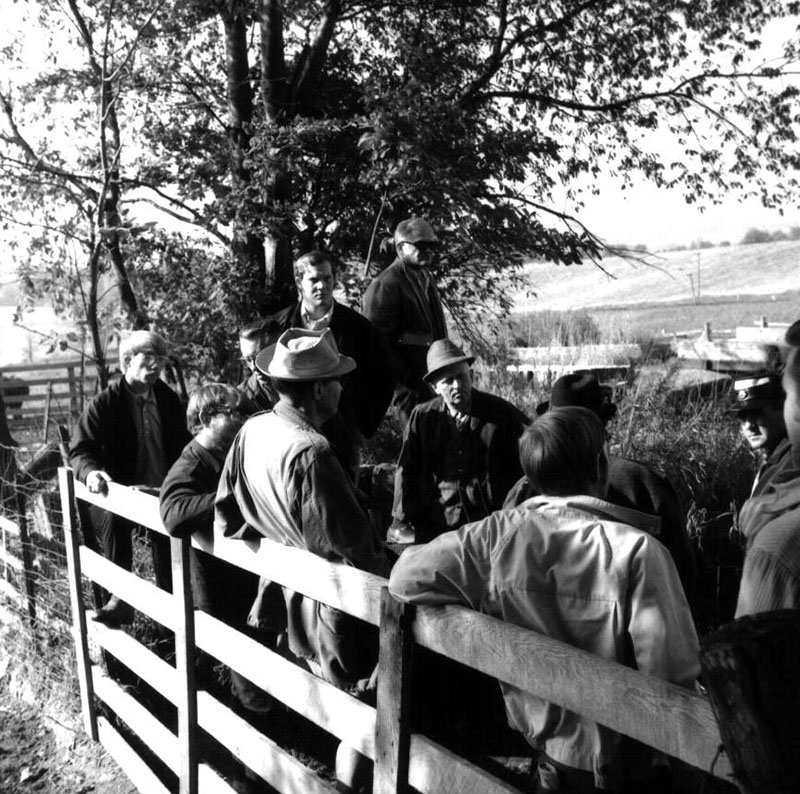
758	403
459	455
282	481
403	303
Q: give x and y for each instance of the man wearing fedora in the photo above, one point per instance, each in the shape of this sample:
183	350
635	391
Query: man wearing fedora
758	403
403	303
630	483
282	481
459	454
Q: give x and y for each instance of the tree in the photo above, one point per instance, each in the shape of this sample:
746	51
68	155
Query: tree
278	126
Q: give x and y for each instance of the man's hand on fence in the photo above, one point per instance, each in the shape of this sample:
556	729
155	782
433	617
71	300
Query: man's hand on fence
97	481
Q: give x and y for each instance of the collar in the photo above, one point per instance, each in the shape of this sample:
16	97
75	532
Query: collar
290	414
320	323
600	509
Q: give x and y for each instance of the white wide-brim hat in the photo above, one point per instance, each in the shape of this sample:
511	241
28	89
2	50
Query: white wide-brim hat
300	354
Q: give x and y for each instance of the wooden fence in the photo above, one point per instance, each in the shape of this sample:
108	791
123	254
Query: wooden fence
38	392
666	717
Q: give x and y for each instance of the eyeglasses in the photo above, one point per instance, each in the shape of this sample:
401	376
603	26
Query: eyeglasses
423	245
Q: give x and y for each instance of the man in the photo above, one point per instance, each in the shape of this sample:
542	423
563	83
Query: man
572	566
367	392
404	305
459	454
130	433
252	340
630	484
282	481
758	403
770	520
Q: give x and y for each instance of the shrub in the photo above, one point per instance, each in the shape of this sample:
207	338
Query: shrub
552	329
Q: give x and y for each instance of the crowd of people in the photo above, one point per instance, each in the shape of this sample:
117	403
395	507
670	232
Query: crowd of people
532	522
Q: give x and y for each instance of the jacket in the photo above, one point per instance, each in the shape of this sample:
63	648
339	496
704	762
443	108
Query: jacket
105	436
367	392
447	476
770	522
407	321
579	570
294	491
634	485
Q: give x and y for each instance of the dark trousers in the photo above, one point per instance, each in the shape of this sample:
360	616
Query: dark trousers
112	536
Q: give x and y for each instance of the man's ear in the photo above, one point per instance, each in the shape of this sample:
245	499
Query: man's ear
317	389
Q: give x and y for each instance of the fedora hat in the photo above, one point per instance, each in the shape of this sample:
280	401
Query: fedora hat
580	389
414	230
443	353
304	356
756	392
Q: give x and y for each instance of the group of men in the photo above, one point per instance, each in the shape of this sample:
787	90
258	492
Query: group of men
533	523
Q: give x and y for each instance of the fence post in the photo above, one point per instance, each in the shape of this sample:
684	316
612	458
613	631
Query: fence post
185	653
27	557
66	484
392	731
72	387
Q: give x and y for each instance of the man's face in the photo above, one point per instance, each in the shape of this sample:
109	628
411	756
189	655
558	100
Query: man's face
419	254
316	288
454	384
791	405
762	427
143	369
328	396
249	348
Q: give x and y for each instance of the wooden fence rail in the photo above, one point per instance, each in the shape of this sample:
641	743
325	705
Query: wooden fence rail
669	718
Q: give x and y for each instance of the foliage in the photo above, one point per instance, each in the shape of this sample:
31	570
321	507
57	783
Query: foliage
277	127
755	236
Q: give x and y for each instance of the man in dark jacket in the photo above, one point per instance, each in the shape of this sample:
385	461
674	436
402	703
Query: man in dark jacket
403	303
630	484
459	455
130	433
368	390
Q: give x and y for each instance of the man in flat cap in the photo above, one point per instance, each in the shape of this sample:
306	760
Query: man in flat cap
459	455
630	483
758	403
770	520
282	481
404	305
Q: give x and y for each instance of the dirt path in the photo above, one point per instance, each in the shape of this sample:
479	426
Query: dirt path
40	754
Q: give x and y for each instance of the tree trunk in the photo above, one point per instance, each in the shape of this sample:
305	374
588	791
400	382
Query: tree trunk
246	248
750	670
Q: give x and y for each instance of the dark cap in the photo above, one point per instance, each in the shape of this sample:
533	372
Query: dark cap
756	392
414	230
580	389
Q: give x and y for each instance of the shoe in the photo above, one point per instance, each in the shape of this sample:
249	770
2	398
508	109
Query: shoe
114	614
401	534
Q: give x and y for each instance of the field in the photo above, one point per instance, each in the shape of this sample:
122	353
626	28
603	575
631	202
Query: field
674	291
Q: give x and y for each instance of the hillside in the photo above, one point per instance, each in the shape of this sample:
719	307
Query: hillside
733	273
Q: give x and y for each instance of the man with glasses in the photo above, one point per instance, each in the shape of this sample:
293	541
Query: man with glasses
403	303
252	340
130	433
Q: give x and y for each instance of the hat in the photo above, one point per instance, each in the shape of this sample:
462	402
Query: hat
414	230
583	390
304	356
442	353
756	392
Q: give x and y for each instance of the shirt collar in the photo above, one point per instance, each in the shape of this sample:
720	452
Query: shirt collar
320	323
